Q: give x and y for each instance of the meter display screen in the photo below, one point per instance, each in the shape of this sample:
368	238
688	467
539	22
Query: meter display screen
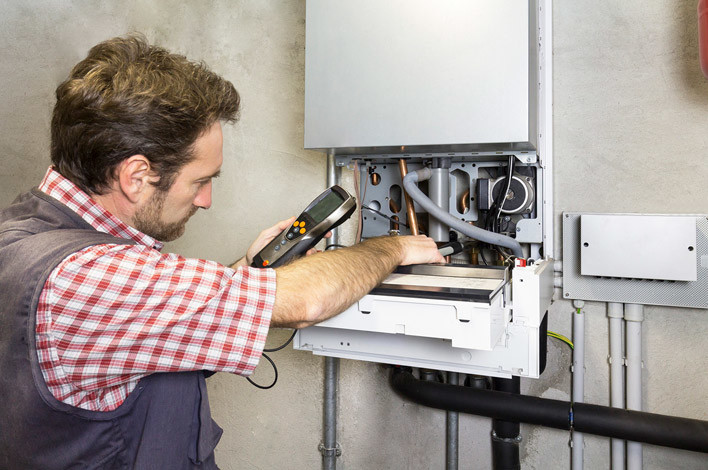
325	207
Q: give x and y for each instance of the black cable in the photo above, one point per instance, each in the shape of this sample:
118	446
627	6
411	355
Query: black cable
509	177
492	217
384	215
275	369
282	345
481	252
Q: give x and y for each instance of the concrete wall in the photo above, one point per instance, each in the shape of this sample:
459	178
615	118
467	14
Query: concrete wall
631	127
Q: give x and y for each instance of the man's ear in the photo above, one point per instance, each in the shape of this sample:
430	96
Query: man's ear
134	175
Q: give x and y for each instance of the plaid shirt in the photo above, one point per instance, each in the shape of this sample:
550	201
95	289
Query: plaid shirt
111	314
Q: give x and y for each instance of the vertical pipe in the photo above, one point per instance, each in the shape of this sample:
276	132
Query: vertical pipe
634	315
329	453
453	430
578	443
615	313
439	189
410	206
506	435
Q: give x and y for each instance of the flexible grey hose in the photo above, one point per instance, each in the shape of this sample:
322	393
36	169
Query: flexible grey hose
410	184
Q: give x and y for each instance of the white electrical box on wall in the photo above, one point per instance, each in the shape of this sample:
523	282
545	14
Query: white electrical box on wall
628	246
644	259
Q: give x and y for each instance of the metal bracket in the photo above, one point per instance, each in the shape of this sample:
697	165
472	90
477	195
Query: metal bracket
509	440
328	452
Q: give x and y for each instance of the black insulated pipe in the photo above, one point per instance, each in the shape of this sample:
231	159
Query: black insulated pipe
637	426
506	435
499	405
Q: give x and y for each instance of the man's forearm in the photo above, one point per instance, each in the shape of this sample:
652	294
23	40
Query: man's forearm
317	287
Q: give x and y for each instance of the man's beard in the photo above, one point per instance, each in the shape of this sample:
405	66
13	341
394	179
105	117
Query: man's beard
148	219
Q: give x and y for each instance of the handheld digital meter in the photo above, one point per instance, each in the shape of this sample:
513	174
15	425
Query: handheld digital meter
327	211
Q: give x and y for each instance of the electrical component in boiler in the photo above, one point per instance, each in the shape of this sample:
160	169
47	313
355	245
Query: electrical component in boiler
519	198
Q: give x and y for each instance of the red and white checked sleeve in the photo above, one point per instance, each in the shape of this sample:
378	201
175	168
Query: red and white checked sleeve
111	314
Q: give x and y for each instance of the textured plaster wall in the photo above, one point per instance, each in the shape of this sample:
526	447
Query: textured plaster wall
631	127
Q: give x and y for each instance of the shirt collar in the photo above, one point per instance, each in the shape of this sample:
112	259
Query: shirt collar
66	192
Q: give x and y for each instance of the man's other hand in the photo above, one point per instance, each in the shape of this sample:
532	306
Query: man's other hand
419	249
267	235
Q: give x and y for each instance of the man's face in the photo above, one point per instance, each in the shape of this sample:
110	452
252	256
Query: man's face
166	213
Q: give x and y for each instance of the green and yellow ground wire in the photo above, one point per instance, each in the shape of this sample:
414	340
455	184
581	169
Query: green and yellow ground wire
560	337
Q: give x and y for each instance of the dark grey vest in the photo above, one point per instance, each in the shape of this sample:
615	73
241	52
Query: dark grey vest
165	423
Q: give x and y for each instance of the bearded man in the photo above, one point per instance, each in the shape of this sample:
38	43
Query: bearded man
104	340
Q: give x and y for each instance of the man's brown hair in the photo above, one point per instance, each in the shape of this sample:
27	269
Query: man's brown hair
128	97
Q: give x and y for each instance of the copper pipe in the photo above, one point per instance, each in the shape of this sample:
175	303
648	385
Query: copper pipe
464	202
393	206
474	256
394	225
410	208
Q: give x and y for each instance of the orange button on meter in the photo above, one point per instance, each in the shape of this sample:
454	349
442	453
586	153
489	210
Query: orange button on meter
302	230
295	224
302	224
265	263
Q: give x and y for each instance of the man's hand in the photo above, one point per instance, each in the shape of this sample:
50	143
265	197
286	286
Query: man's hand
265	237
419	249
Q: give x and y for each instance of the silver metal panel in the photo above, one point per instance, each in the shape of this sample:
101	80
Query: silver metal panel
638	291
420	73
628	245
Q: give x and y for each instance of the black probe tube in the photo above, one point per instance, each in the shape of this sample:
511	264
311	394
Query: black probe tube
638	426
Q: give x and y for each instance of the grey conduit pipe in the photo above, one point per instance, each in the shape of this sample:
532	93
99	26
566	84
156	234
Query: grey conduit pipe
453	430
578	392
329	443
615	312
439	192
410	184
633	316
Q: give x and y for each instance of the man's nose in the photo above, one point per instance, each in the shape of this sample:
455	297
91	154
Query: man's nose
203	198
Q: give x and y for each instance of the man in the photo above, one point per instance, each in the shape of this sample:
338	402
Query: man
103	339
